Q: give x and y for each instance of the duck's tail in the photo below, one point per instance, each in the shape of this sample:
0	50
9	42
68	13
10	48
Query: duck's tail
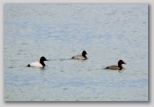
106	68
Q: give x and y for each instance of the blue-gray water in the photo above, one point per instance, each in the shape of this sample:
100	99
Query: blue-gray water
108	32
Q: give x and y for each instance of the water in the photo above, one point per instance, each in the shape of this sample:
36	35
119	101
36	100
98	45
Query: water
108	32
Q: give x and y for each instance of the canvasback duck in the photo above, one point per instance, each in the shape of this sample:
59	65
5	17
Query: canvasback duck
81	57
38	64
116	67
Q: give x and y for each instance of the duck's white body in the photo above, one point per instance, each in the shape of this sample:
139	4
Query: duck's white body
36	64
79	57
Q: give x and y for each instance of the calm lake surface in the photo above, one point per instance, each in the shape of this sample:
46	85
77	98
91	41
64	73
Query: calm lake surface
108	32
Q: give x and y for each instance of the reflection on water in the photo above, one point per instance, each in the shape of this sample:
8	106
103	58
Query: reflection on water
108	32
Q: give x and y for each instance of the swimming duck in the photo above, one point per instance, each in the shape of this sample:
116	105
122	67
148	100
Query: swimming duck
116	67
81	57
38	64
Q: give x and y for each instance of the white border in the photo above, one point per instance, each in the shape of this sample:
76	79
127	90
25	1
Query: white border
81	104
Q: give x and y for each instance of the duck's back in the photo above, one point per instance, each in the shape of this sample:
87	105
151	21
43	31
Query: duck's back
36	64
78	57
113	67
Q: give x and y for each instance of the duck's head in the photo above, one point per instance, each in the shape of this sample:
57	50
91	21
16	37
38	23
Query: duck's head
121	62
43	59
84	53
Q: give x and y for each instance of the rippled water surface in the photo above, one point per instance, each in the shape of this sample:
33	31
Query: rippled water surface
108	32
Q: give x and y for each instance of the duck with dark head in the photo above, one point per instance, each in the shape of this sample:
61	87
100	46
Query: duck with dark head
116	67
81	57
38	64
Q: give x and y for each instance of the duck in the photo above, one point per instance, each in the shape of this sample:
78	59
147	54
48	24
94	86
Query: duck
40	64
116	67
81	57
